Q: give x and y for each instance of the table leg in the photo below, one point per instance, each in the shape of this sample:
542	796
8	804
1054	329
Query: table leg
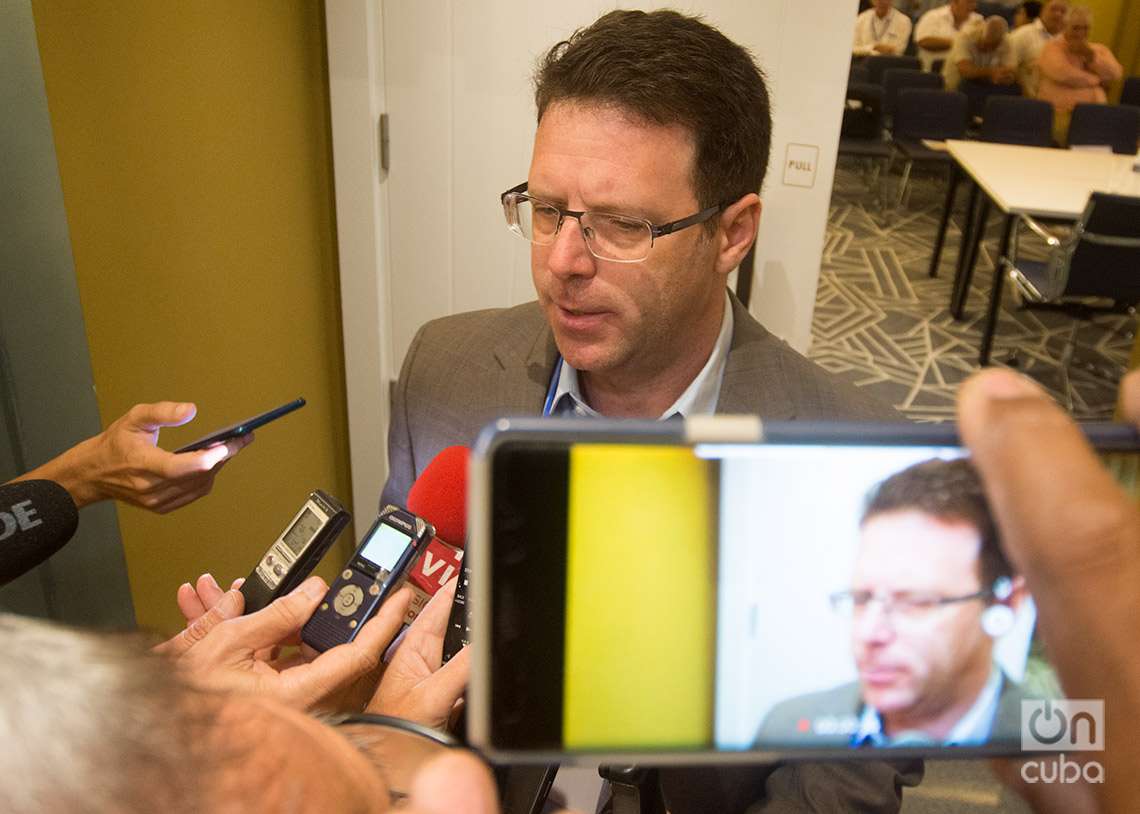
995	294
964	246
951	188
977	235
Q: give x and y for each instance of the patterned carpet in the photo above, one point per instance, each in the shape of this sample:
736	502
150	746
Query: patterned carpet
882	323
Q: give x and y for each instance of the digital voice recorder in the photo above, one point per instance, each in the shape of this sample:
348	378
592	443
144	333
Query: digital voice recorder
296	552
373	573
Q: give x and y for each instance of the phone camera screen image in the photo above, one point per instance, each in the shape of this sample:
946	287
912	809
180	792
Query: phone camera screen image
791	598
385	546
302	531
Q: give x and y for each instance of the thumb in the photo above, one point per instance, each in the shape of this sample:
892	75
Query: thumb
454	781
283	617
150	417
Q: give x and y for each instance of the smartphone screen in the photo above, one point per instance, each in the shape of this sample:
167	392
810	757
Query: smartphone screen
791	598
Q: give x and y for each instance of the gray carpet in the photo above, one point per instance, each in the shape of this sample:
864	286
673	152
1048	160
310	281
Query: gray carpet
882	323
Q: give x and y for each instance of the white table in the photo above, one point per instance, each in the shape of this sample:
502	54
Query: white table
1038	181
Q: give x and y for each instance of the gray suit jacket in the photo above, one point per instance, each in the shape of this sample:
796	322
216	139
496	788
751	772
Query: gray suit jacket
463	371
466	370
779	728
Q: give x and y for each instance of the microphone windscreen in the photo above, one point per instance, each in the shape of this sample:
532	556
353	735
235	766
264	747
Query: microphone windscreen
439	495
36	518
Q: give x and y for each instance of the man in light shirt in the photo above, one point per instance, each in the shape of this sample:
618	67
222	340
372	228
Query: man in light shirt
1026	42
980	64
934	35
881	29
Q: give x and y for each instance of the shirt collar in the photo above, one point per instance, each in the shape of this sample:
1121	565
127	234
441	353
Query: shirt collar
973	728
699	398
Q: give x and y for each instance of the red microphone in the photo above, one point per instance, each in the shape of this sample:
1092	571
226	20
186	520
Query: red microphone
439	495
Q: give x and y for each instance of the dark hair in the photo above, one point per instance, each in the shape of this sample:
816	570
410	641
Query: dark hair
668	68
947	490
1032	9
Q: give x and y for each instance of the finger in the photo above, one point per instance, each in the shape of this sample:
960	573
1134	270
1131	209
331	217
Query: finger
208	590
282	618
229	607
425	636
345	663
1034	461
447	684
180	498
454	781
237	583
189	604
1130	397
150	417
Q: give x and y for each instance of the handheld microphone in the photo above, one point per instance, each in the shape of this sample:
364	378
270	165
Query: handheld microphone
37	517
439	495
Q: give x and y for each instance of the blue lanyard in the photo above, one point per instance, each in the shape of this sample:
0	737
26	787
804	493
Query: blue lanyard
548	405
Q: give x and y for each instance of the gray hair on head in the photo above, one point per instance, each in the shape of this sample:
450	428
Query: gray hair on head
92	722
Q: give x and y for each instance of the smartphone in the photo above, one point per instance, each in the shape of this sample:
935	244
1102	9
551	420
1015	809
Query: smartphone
296	552
241	427
371	575
724	591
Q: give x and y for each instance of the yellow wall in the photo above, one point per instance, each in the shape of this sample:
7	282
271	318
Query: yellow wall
194	150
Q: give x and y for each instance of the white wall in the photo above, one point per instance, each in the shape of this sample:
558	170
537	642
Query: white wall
456	85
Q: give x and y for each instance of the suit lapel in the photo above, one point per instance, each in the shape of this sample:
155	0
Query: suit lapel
526	355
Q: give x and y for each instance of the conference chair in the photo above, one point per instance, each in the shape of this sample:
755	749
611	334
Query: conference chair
895	79
858	75
1117	126
1093	270
1017	120
1130	95
861	135
879	64
930	115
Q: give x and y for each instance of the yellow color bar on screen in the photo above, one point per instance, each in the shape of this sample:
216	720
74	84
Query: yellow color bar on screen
640	599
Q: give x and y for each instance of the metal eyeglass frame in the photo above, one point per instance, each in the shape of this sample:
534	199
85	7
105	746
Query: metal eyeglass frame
655	230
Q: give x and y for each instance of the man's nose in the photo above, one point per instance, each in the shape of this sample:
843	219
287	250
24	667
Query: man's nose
569	256
874	625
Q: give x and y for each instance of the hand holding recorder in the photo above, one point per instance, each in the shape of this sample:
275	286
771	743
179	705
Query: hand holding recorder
220	651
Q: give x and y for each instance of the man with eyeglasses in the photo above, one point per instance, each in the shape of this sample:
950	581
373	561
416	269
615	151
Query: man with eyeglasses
642	197
931	592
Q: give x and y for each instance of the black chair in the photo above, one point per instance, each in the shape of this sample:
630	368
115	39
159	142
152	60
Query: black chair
895	79
936	66
1117	126
1130	95
1017	120
858	75
861	134
879	64
920	114
1098	261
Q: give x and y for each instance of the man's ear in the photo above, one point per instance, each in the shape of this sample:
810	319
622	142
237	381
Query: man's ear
738	225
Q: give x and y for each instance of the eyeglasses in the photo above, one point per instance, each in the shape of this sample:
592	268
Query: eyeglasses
398	748
910	604
608	235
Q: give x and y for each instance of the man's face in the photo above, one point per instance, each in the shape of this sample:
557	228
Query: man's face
961	9
883	6
911	663
621	318
1077	31
1053	15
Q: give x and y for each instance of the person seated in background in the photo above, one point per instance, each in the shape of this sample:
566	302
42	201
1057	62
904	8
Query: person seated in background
931	591
981	63
1026	13
124	462
881	29
1028	40
936	29
1072	70
91	721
